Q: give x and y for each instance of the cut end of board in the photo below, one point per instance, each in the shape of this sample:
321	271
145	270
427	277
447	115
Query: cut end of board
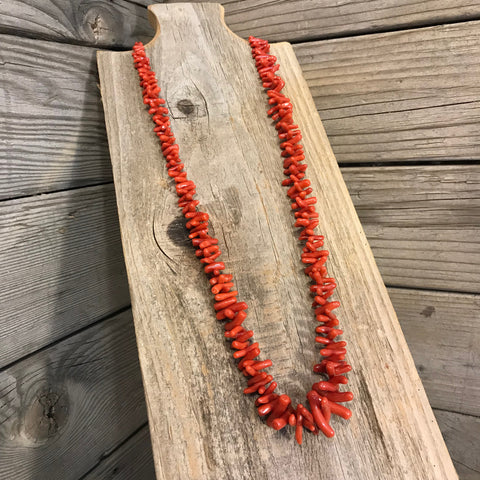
161	17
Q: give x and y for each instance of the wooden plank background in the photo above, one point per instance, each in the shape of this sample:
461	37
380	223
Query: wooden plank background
63	282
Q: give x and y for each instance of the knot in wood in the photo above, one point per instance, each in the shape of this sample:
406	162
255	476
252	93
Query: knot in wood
186	106
46	415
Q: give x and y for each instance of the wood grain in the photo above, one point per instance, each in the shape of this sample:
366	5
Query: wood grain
303	20
52	133
192	395
461	433
103	23
132	460
62	267
374	110
422	222
443	333
399	96
64	408
92	22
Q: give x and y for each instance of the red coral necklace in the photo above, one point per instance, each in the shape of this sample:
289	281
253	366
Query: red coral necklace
324	397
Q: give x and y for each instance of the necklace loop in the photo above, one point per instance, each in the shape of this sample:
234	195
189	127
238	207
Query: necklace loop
324	398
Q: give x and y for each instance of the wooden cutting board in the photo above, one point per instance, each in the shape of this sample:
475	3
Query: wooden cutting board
202	426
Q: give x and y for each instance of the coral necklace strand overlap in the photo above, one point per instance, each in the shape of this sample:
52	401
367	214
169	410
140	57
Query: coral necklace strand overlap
324	398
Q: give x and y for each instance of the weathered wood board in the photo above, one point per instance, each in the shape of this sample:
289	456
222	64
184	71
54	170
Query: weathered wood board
461	432
202	425
96	22
422	223
62	265
442	330
380	95
104	23
132	460
66	407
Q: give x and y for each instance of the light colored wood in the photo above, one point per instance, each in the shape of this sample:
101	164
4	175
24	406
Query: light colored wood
373	111
461	433
422	222
132	460
62	267
302	20
202	425
382	97
94	22
65	407
443	333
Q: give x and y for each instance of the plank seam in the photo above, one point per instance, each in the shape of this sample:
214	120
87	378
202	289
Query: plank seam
53	192
11	32
113	450
413	163
455	411
404	28
433	290
64	337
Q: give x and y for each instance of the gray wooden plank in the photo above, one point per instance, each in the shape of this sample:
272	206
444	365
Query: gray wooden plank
303	20
422	222
443	333
462	434
132	460
408	95
101	23
52	131
62	267
64	408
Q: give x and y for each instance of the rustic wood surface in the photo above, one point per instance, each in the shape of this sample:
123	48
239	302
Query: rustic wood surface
52	138
62	267
93	22
104	23
422	222
462	433
52	134
393	432
372	111
132	460
443	333
71	404
381	96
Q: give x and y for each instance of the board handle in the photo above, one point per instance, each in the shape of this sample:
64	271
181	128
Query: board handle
176	15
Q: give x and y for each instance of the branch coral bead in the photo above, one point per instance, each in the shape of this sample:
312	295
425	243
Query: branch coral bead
325	396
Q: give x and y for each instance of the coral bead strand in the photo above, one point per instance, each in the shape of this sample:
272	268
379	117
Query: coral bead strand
324	394
226	305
